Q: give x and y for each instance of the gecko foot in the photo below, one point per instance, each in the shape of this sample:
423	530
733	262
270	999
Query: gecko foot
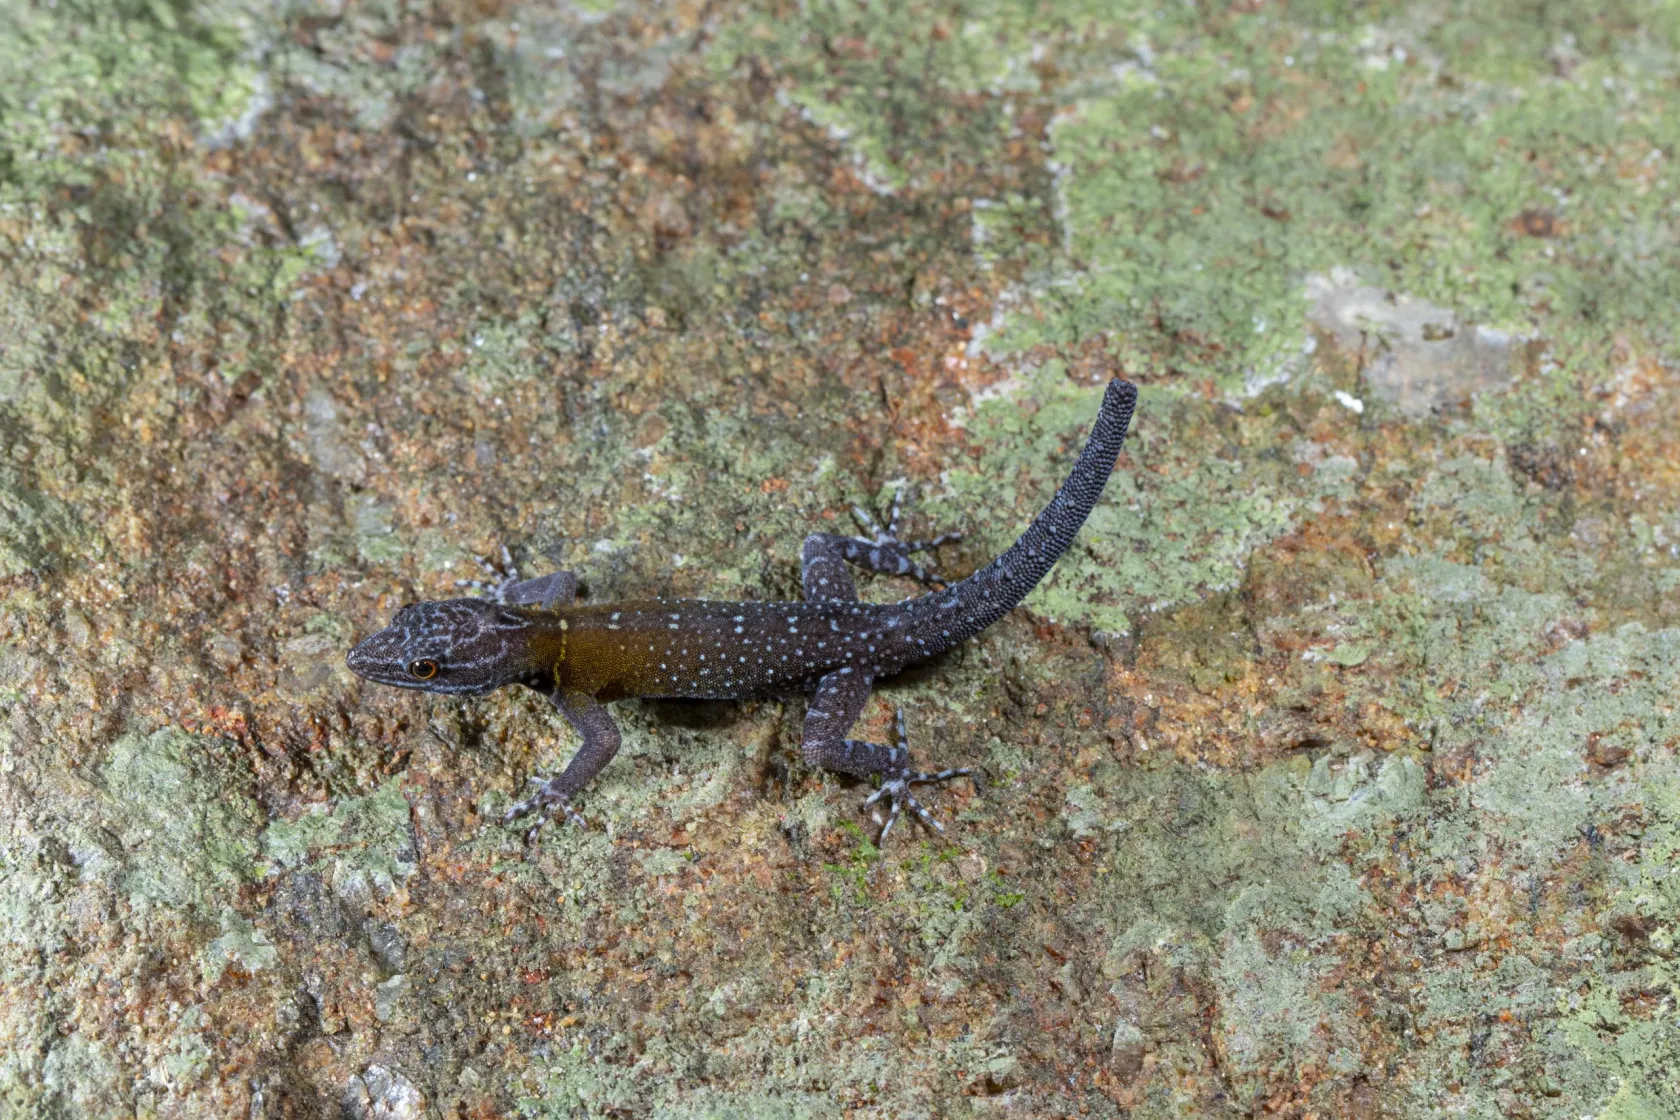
544	802
896	783
501	576
885	552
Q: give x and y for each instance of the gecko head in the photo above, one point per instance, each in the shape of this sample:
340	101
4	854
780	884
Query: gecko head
461	646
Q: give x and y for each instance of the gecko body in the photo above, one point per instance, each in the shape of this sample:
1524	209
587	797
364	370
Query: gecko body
831	644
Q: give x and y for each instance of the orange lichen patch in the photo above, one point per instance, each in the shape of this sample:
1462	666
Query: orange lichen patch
217	720
1538	223
1217	727
1319	563
1382	729
1643	462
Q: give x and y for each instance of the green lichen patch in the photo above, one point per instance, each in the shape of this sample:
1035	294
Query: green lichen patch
366	841
1554	807
188	1060
905	90
34	527
79	78
240	944
1264	915
185	816
79	1074
99	100
1227	160
1565	749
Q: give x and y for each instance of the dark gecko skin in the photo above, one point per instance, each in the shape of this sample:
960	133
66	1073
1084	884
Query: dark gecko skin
832	644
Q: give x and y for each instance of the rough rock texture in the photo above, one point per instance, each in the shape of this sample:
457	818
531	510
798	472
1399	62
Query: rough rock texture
1334	773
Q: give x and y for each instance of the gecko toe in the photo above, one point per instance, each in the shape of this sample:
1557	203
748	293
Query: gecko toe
897	778
500	575
895	792
881	549
544	803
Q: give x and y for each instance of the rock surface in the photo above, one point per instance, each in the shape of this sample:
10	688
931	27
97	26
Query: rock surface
1333	774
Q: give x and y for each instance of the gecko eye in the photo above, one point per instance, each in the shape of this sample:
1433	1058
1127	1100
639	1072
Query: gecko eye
424	669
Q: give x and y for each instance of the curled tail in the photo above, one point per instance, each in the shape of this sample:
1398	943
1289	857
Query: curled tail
962	610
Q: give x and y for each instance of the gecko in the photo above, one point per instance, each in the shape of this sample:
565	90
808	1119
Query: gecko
831	644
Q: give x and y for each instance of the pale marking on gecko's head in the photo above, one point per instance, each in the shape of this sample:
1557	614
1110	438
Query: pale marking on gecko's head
459	646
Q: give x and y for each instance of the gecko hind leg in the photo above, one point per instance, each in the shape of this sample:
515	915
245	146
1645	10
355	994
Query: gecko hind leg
824	556
896	783
834	707
882	549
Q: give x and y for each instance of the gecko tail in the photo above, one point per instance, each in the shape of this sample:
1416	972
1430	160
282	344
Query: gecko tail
966	608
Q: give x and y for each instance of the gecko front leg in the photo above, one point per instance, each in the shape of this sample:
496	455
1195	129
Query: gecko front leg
600	743
550	592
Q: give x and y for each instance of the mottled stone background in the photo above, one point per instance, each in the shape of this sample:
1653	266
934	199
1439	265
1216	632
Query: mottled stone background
1333	774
